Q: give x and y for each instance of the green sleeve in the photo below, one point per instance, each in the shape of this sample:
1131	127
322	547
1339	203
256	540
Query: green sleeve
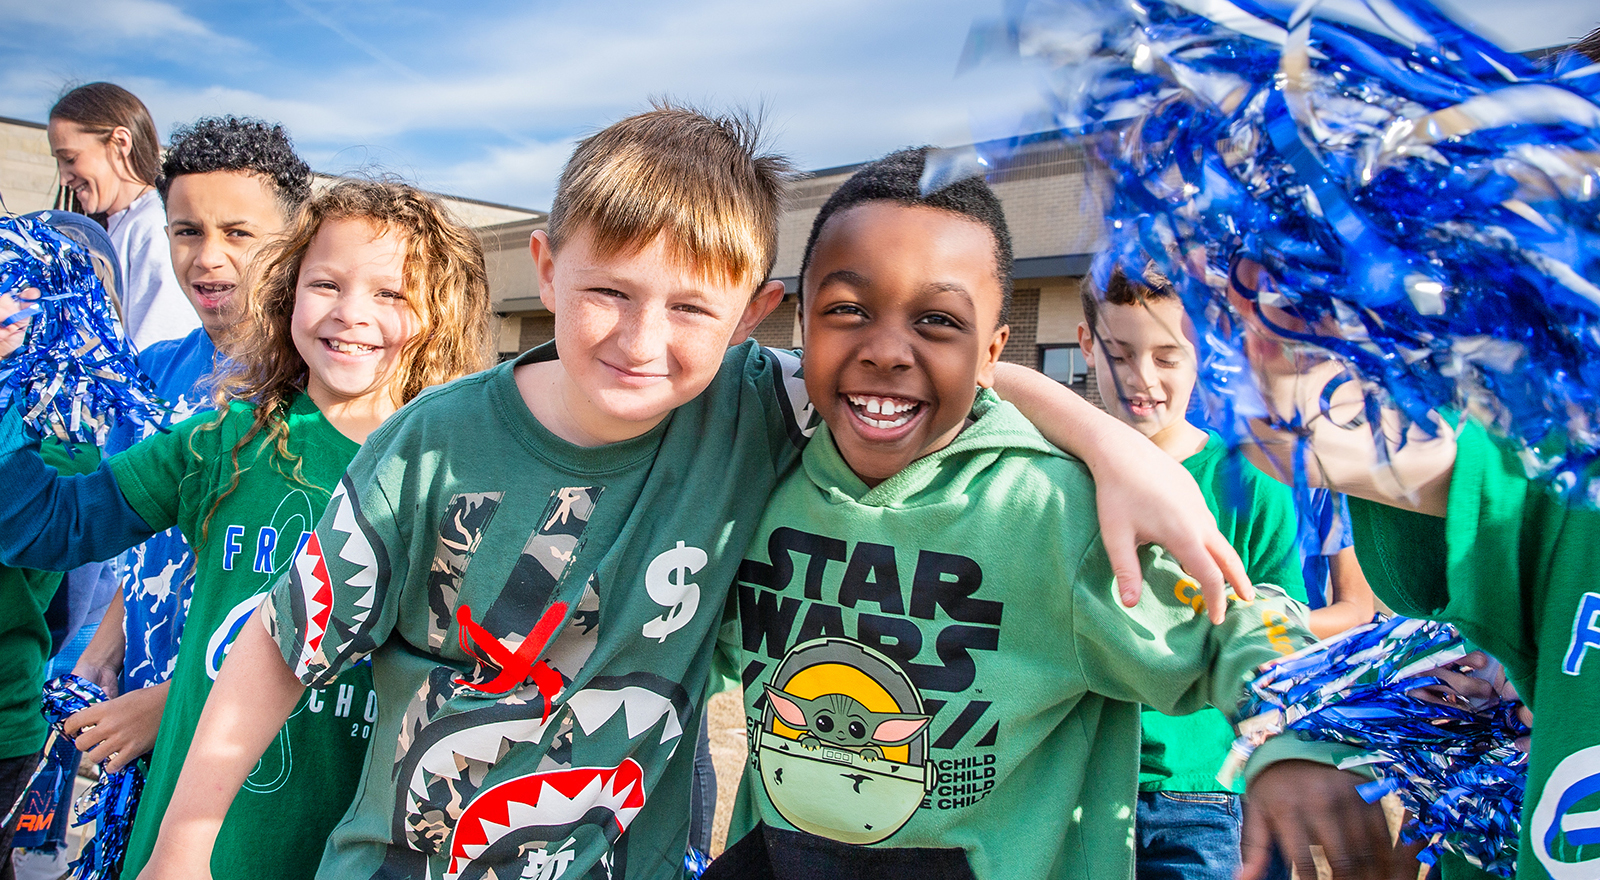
1272	554
1165	652
1477	567
155	473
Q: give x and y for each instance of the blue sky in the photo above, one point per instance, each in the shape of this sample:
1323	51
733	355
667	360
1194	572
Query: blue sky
485	99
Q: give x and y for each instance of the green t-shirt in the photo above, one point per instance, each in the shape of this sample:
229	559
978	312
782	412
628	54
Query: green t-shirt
24	636
1256	514
943	661
1514	568
540	618
306	779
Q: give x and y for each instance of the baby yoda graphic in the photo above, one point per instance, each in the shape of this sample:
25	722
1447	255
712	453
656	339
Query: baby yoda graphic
842	748
837	719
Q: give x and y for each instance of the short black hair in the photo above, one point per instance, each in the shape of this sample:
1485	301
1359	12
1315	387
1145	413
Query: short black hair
897	178
238	143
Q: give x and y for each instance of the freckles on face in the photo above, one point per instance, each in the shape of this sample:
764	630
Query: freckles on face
640	334
902	310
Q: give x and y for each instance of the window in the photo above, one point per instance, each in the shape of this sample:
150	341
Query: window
1065	364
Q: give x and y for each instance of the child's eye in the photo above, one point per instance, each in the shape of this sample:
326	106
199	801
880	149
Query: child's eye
240	233
690	309
939	320
844	309
391	294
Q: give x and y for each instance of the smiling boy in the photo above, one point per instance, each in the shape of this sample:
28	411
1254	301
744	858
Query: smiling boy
939	679
535	558
1139	340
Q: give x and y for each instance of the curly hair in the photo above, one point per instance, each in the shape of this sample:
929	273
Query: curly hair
443	280
236	143
897	178
101	108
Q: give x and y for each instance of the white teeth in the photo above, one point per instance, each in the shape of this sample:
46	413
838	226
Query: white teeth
349	347
882	406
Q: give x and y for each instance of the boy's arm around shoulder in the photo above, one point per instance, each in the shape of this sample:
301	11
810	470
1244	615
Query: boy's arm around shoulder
53	522
1144	496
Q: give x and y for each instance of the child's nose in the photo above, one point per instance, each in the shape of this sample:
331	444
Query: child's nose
887	349
642	335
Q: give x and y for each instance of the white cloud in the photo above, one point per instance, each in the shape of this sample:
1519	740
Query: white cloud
99	23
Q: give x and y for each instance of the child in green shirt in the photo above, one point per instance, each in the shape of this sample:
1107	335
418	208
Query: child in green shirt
1139	340
535	558
939	677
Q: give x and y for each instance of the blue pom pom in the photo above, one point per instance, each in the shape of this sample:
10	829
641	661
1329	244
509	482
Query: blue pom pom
1428	203
111	801
1455	768
75	374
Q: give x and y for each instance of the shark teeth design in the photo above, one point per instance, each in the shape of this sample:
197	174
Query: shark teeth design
311	570
480	743
357	550
552	799
640	707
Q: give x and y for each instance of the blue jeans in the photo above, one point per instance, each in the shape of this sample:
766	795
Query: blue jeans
1192	834
703	790
1187	835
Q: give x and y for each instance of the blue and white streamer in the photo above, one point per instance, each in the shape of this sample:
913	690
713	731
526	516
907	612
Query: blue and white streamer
1455	768
1428	203
113	799
75	373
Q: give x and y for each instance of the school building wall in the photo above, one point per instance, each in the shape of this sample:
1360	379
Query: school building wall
1046	189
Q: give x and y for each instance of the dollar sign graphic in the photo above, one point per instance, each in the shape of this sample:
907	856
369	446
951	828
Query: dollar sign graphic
667	582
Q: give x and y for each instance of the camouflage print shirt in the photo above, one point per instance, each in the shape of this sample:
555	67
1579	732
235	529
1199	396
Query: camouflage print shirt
540	619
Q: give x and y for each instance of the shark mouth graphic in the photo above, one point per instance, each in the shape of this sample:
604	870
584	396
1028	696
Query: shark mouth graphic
311	570
549	801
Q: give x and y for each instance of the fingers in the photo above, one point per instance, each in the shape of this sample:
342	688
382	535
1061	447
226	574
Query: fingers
1123	552
1255	844
1227	558
83	719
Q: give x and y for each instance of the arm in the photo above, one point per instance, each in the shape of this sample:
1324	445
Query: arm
253	696
55	523
101	660
1143	494
1343	452
1352	603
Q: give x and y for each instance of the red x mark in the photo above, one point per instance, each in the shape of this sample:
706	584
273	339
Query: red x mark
518	666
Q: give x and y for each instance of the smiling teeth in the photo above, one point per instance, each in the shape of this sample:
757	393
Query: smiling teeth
897	412
349	347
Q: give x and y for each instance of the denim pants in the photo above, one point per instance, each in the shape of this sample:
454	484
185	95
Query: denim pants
1188	835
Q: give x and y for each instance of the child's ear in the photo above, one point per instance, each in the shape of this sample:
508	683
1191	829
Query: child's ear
756	311
544	264
991	355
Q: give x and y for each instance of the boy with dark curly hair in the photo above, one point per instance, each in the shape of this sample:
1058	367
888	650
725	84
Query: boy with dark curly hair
229	184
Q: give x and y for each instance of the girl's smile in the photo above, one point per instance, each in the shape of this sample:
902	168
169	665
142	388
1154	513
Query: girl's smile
351	318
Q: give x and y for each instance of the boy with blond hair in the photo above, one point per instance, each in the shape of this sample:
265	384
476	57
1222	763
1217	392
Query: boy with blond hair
536	558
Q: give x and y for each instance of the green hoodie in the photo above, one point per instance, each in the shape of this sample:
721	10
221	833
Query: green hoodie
942	660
